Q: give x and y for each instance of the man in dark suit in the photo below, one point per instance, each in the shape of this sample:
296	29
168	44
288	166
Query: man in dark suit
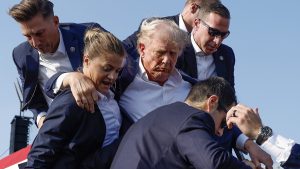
283	150
205	55
182	135
50	47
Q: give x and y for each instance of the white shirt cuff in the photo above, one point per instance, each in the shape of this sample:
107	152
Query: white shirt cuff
39	116
240	142
278	147
59	82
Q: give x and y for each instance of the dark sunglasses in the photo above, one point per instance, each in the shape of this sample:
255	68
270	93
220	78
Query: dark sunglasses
215	32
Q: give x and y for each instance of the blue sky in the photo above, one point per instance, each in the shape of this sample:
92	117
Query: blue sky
264	36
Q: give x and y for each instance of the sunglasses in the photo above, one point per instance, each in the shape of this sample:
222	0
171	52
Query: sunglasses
215	32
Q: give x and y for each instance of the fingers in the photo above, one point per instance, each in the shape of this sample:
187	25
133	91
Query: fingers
84	92
257	164
87	96
41	121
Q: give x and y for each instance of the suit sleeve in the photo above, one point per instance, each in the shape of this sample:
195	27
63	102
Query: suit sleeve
294	158
231	65
60	125
50	85
200	148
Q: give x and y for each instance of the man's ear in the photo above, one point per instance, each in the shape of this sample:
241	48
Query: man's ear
194	7
141	49
56	21
212	103
196	23
86	60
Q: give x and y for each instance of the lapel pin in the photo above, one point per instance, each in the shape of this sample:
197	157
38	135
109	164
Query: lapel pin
221	58
72	49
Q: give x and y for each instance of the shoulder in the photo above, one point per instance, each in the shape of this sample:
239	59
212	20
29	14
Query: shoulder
174	18
66	101
79	27
226	49
23	47
199	120
22	50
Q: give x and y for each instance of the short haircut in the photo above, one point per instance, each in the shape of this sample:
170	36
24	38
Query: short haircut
202	2
27	9
99	43
217	8
213	86
154	25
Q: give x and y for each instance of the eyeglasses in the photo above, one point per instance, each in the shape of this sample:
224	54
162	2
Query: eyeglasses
215	32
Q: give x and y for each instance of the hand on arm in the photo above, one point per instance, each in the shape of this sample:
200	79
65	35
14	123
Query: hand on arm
83	90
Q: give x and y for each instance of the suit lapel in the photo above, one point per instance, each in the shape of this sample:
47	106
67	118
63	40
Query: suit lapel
219	61
189	61
73	48
32	71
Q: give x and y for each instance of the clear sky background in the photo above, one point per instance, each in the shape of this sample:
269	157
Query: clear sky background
264	36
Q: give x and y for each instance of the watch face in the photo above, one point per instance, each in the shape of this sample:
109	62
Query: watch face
266	131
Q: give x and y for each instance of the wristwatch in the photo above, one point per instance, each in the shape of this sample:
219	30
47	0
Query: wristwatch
264	133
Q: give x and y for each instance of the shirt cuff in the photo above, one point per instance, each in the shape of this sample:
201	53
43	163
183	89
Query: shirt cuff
59	82
39	116
240	142
278	147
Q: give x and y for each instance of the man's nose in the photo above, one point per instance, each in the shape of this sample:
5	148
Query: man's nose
166	58
218	40
35	41
113	75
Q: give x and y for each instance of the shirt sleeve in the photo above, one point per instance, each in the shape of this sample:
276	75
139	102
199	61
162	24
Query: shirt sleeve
278	147
240	142
58	82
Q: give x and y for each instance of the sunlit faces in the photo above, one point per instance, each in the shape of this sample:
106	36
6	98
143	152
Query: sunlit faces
208	43
103	70
159	56
42	33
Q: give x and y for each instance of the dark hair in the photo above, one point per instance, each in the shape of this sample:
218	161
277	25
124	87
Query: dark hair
27	9
217	8
213	86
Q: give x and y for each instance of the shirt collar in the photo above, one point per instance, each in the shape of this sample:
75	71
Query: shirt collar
60	49
197	49
105	98
182	24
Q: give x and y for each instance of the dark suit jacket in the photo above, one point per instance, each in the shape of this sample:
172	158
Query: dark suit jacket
173	136
26	59
67	136
224	60
293	161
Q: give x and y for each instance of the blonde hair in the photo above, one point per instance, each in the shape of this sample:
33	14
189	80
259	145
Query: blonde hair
155	25
98	43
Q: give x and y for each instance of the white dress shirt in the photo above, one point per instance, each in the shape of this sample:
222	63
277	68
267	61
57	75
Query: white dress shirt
50	64
278	147
181	23
206	67
143	95
112	117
